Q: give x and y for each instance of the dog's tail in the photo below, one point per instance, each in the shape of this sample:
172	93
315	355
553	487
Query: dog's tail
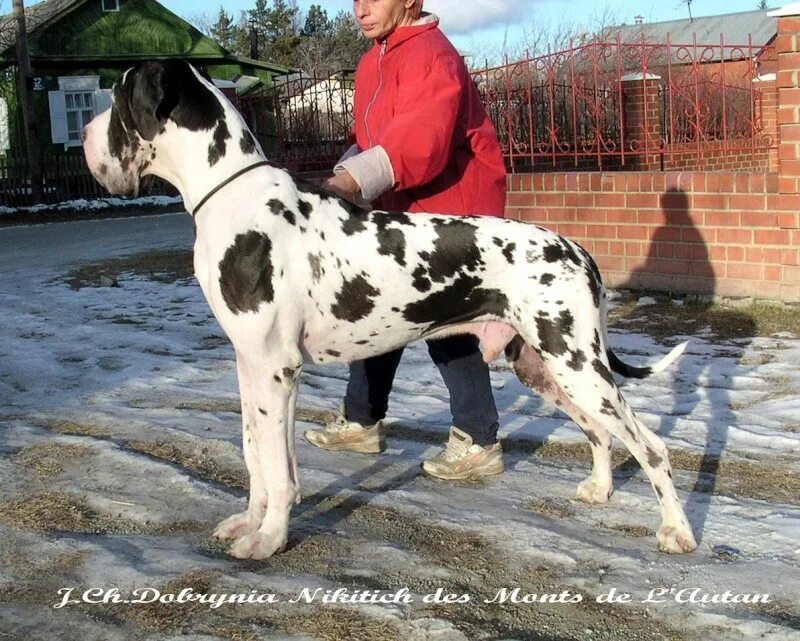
629	371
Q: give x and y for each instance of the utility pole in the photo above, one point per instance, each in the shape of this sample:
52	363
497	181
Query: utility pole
26	102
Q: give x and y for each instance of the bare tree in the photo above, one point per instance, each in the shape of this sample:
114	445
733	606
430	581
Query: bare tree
202	20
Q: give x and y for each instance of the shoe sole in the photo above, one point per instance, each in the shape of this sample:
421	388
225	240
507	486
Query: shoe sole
361	448
475	473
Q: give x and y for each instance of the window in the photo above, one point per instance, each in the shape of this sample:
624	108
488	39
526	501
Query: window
80	111
77	101
110	5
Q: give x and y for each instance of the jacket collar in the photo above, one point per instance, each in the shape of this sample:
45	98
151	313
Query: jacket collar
426	22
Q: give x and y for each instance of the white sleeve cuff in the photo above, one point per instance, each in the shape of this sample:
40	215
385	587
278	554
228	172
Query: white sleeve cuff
371	169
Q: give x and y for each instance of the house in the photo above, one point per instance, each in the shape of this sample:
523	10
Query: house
78	48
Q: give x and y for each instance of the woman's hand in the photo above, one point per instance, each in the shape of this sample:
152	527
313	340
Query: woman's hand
343	185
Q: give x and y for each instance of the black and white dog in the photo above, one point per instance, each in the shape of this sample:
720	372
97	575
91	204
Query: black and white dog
294	274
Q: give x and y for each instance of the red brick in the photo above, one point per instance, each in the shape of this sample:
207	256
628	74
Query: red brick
735	236
621	216
726	183
735	253
788	25
668	233
520	199
642	200
721	219
610	263
746	201
790	257
635	232
709	201
789	201
771	237
561	215
773	272
609	200
549	200
602	231
572	230
759	219
744	271
533	215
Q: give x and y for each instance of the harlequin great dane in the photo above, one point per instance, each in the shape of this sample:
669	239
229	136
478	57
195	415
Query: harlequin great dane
294	274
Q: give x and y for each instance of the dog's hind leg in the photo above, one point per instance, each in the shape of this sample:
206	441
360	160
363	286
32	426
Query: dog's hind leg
238	525
273	377
598	402
532	371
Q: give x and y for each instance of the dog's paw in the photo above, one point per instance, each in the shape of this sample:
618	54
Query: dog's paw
258	545
589	491
237	526
675	540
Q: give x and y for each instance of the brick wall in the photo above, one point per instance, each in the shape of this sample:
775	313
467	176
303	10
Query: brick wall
727	232
672	231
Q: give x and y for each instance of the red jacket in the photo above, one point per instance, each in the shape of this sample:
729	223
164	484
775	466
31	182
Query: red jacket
415	98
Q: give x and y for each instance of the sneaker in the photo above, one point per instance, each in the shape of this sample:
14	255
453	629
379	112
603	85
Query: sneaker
350	436
461	459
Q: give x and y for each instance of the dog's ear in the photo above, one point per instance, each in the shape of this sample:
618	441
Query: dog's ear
153	98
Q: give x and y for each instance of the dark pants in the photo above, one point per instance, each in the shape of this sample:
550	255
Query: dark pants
465	374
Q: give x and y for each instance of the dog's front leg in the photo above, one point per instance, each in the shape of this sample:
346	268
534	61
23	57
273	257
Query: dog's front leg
272	383
248	521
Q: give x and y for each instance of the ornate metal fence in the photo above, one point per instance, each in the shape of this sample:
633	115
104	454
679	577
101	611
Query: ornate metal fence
607	104
303	122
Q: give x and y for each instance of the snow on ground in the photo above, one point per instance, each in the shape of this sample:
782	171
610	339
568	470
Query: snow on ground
120	451
81	204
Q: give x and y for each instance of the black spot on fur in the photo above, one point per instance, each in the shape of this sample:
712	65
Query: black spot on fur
608	409
420	281
275	206
592	438
497	241
454	250
546	279
246	272
354	224
553	253
289	373
362	342
653	459
216	150
276	378
247	143
508	252
551	333
316	267
596	348
333	352
601	369
305	208
460	301
392	242
577	360
262	411
354	300
659	492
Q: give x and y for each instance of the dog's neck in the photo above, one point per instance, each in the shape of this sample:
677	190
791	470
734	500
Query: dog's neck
194	162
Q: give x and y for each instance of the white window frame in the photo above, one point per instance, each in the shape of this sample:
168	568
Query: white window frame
86	87
103	5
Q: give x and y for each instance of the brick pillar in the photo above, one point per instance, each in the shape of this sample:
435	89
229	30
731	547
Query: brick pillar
640	94
787	45
788	83
767	87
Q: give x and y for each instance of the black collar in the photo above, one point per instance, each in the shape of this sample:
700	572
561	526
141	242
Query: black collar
226	181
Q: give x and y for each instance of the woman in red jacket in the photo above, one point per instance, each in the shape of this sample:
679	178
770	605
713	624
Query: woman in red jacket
422	143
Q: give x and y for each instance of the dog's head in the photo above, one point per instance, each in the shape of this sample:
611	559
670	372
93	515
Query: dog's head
147	102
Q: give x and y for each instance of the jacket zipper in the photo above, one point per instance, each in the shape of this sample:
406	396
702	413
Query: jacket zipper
375	95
